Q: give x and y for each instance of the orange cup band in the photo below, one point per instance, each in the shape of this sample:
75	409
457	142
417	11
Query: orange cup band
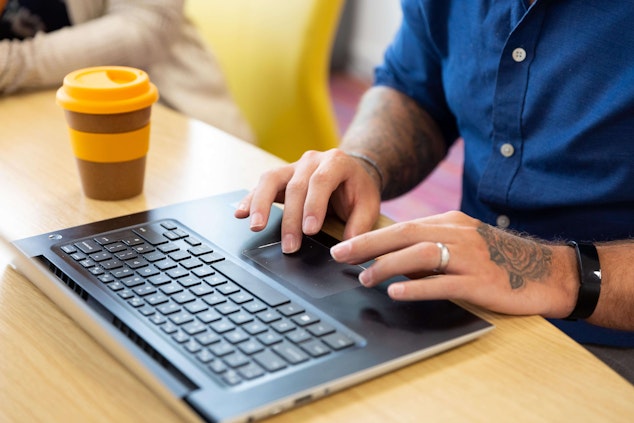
109	148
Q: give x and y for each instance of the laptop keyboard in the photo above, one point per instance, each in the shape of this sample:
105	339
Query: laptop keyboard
233	325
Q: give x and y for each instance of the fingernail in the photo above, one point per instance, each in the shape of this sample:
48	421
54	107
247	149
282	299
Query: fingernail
364	278
243	207
289	244
310	225
257	221
340	251
396	290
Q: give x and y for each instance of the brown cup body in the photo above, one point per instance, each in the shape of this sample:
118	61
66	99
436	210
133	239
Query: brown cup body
110	180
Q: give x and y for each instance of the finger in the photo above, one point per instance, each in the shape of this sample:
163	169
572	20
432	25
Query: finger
360	220
295	201
396	237
420	259
370	245
324	180
244	206
454	287
269	190
440	287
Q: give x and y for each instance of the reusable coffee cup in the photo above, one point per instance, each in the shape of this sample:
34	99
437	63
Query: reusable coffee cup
108	111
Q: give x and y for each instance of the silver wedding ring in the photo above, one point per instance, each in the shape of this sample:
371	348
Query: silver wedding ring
444	258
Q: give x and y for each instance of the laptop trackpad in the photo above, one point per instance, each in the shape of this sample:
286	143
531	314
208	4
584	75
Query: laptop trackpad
311	269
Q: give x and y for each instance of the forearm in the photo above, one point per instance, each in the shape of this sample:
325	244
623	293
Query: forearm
400	137
134	33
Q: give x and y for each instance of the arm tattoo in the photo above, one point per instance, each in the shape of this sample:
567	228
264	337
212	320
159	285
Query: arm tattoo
522	258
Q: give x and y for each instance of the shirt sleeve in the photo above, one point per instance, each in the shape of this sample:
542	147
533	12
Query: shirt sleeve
412	65
128	33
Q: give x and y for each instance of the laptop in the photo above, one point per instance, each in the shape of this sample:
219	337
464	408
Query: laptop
219	322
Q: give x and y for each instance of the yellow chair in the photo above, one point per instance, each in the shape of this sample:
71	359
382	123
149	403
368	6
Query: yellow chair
276	57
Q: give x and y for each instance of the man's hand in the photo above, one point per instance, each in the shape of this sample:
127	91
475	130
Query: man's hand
311	187
488	267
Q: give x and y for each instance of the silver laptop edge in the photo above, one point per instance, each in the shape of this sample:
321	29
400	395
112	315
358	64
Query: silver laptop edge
122	348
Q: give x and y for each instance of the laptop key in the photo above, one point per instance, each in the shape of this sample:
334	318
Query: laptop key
196	306
205	356
169	328
290	352
169	308
222	348
217	366
231	377
255	328
157	319
290	309
152	234
254	307
251	371
112	264
203	272
202	289
209	316
101	256
207	338
250	347
68	249
269	338
200	250
116	247
136	302
298	336
157	299
270	361
236	359
146	310
88	246
192	346
315	347
338	341
133	281
181	317
180	337
195	327
320	329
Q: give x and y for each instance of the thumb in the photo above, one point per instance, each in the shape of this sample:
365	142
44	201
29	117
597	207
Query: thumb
360	221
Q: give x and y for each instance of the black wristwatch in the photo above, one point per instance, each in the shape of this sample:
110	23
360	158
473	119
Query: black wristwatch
590	280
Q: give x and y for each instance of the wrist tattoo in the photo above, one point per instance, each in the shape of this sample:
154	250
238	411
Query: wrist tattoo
522	258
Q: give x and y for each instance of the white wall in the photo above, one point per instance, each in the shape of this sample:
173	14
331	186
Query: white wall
373	23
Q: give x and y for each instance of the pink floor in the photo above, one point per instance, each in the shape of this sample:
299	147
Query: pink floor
440	192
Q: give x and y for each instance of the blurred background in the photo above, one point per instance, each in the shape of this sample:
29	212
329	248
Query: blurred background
365	29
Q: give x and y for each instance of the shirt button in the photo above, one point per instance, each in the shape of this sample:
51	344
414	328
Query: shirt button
519	54
507	150
503	221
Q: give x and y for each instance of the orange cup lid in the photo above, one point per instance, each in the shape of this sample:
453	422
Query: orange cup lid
106	90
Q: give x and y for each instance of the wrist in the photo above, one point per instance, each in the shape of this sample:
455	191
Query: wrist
371	166
560	295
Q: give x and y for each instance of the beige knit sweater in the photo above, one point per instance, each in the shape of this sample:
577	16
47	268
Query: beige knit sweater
152	35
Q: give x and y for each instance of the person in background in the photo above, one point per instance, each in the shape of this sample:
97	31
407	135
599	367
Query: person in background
542	92
43	40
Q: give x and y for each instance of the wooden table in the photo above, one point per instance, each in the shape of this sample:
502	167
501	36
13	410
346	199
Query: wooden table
51	370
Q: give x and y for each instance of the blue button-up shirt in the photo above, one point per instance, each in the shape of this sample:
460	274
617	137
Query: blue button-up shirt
544	100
